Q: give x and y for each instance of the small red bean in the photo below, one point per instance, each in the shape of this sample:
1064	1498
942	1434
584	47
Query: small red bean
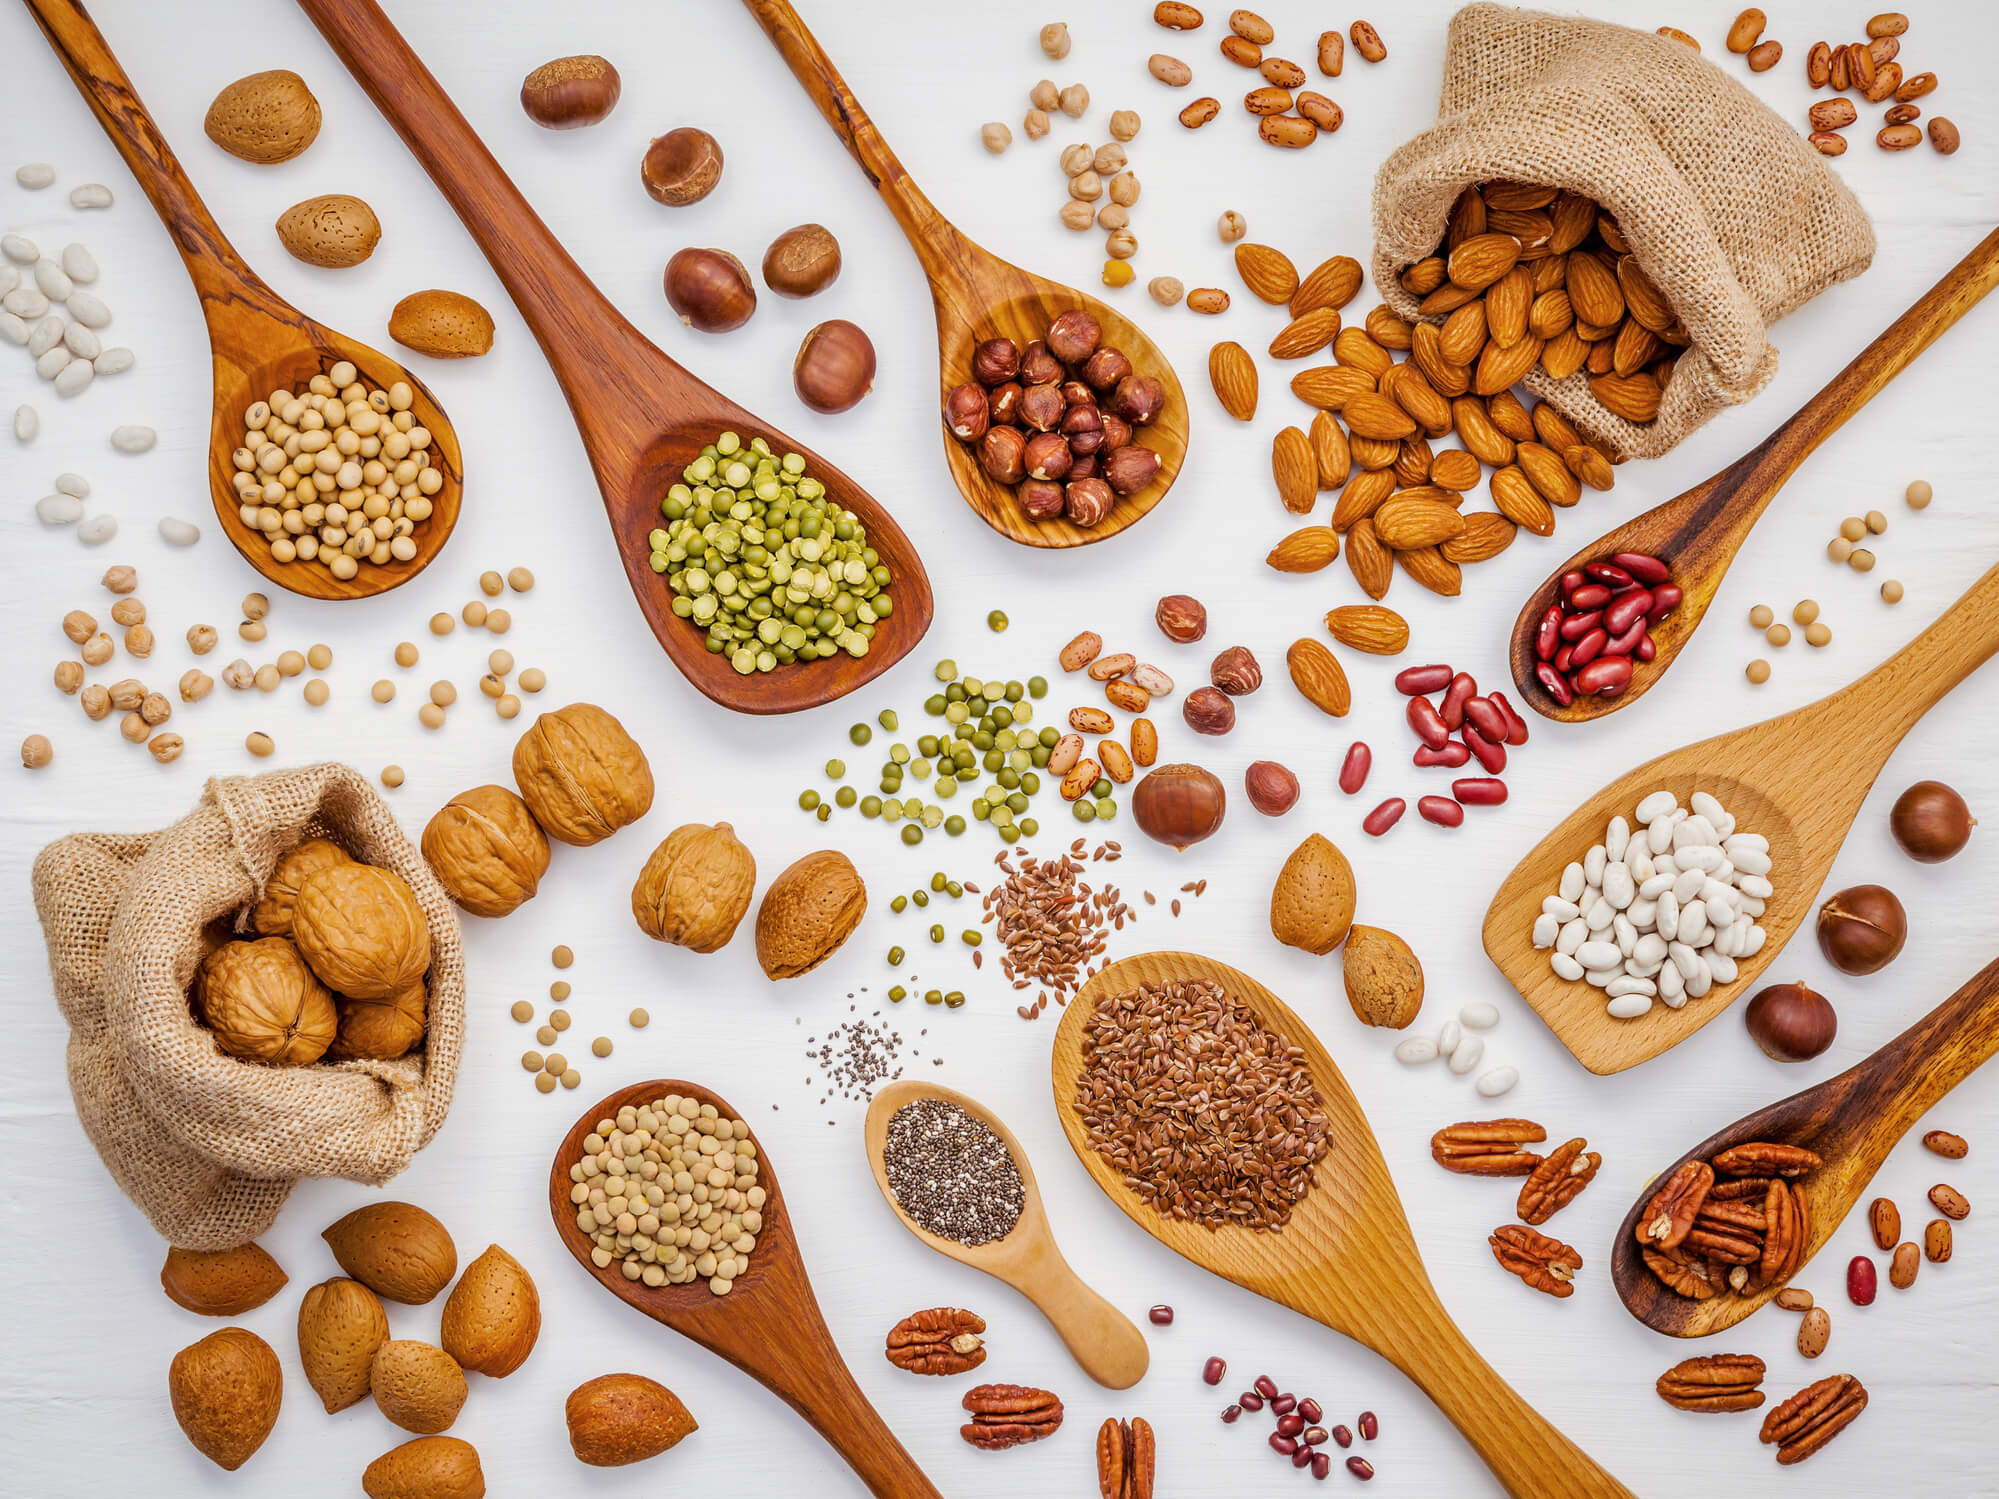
1479	791
1214	1371
1441	810
1626	610
1588	648
1162	1316
1361	1468
1250	1400
1487	719
1665	599
1313	1436
1383	817
1353	769
1452	710
1492	756
1290	1425
1861	1280
1590	596
1427	722
1302	1458
1370	1426
1282	1444
1322	1464
1343	1436
1645	568
1451	756
1415	680
1646	648
1605	678
1284	1405
1548	634
1231	1415
1625	644
1609	572
1578	625
1312	1411
1516	726
1553	684
1266	1386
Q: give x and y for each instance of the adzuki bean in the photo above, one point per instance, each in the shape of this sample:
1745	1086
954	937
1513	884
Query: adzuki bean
1361	1468
1383	817
1353	769
1284	1405
1370	1426
1343	1436
1321	1465
1312	1411
1214	1371
1249	1400
1231	1414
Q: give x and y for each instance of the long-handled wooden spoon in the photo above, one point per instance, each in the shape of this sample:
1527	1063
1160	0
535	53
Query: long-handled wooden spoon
642	417
979	296
769	1325
1346	1258
1110	1348
259	342
1851	1122
1798	780
1698	533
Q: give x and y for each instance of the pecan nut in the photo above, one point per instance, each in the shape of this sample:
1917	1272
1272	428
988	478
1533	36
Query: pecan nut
1765	1158
1814	1416
1545	1264
1717	1382
1006	1415
1557	1181
1780	1233
1680	1272
1126	1454
1669	1217
941	1340
1488	1148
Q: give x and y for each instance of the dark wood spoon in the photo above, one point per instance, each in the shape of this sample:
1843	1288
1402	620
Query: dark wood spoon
1851	1122
769	1325
642	417
1698	533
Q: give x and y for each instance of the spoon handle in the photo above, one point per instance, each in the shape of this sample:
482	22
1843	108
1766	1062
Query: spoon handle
1103	1340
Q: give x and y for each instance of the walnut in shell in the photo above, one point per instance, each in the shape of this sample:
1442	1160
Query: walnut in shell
380	1029
272	914
362	931
1383	978
695	888
487	850
807	913
263	1003
581	774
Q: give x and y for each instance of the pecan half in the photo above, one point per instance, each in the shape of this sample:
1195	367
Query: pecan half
1006	1415
1814	1416
1487	1148
1763	1158
1740	1189
1717	1382
1125	1458
1545	1264
1557	1181
1681	1273
942	1340
1802	1210
1780	1233
1669	1216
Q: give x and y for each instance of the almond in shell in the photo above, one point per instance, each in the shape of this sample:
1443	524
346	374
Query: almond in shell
616	1419
1384	980
493	1315
1312	903
1319	678
416	1385
427	1468
1268	273
396	1250
1296	471
225	1392
1233	374
222	1282
341	1325
1372	628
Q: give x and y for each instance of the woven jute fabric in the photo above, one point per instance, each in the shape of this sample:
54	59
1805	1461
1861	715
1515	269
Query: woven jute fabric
1728	209
207	1146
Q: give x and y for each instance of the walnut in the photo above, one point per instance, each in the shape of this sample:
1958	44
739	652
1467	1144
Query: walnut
487	850
581	774
808	911
362	931
380	1029
272	915
263	1003
695	888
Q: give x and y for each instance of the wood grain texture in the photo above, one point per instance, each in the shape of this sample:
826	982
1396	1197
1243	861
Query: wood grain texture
1798	779
978	296
642	417
258	341
1699	532
769	1325
1346	1259
1104	1341
1851	1121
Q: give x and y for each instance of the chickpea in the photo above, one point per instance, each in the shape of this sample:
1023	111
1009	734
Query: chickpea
69	677
121	579
166	748
195	685
79	626
128	612
36	751
201	639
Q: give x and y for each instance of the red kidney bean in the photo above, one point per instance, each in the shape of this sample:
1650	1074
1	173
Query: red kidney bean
1361	1468
1578	625
1427	722
1162	1316
1441	810
1572	580
1412	681
1609	572
1588	648
1302	1458
1312	1411
1383	817
1452	710
1215	1370
1643	567
1861	1281
1322	1465
1665	599
1488	720
1250	1400
1450	756
1370	1425
1284	1405
1548	634
1589	596
1479	791
1625	644
1562	659
1627	609
1353	769
1602	678
1266	1387
1553	683
1516	726
1491	756
1231	1415
1282	1444
1646	648
1342	1436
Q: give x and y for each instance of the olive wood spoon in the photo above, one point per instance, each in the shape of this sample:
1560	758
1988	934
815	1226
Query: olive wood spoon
1798	779
769	1325
258	341
1104	1341
642	417
1697	534
978	296
1851	1122
1346	1259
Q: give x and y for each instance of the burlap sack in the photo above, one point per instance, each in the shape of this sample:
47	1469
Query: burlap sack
207	1146
1727	208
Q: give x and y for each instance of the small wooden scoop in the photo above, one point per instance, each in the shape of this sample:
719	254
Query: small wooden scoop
1110	1348
1851	1122
769	1325
1346	1258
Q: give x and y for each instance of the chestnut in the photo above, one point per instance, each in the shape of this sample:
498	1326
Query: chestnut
1103	369
1041	407
1039	367
802	262
1117	431
995	362
1138	399
1001	453
1179	805
1130	468
1047	456
1072	337
681	167
835	367
1792	1023
965	412
1084	427
1003	404
1040	499
1862	928
570	92
1931	822
1087	501
710	290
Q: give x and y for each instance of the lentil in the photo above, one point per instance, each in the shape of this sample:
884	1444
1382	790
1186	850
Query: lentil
523	1011
951	1174
562	956
639	1020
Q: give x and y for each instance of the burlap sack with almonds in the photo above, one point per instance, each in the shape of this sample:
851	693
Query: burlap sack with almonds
1729	211
207	1146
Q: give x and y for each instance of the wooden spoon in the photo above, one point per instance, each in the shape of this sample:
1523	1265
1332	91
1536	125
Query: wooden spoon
1798	779
769	1325
1851	1121
1104	1341
1698	533
259	341
979	296
642	417
1346	1258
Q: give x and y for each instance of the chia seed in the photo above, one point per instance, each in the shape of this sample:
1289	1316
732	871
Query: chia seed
951	1173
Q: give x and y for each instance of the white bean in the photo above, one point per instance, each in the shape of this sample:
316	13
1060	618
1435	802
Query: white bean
12	327
1754	944
10	277
1600	977
1617	838
1480	1016
178	533
45	335
1659	804
81	342
1560	909
1651	948
1721	967
80	263
90	195
1685	959
1546	928
1593	863
1694	930
133	439
53	280
88	309
1659	834
1700	980
1638	858
1704	805
1655	887
1666	919
1599	916
1565	966
1416	1050
1715	891
1687	885
97	530
1599	955
1467	1054
1672	986
1724	941
1706	857
1618	887
1749	905
1497	1082
1640	970
58	510
1644	914
1573	880
1695	831
1449	1036
1629	1006
35	175
1737	843
1626	983
1665	864
1755	886
74	377
27	422
1623	933
54	360
25	302
19	249
1749	861
1572	936
74	484
113	361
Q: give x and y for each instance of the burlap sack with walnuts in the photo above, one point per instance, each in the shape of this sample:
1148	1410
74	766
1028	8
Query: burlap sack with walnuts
207	1146
1727	208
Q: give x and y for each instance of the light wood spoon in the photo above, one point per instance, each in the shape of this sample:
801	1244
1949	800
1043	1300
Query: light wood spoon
1697	534
1104	1341
1851	1122
769	1325
979	296
1346	1258
642	417
1798	780
259	341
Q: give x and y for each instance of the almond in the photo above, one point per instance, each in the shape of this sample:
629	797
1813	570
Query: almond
1426	352
1593	292
1533	229
1590	466
1378	417
1373	453
1551	274
1552	428
1387	329
1510	416
1485	536
1550	314
222	1282
1482	259
1371	563
1476	431
1564	354
1363	495
1297	471
1419	398
1462	337
1642	297
1506	304
1501	368
1408	521
1306	334
1520	502
1467	219
1369	627
1330	454
1413	466
1330	387
1233	374
1356	350
1454	468
1305	551
1332	283
1633	397
1634	347
1517	197
1268	273
1429	567
1445	299
1544	467
1424	277
1318	677
1574	217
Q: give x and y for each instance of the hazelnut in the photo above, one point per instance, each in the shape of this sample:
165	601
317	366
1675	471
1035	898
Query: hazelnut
1791	1022
1002	455
1040	499
1003	404
1087	500
1130	468
1041	407
1076	393
1208	711
1039	367
1862	928
1179	805
965	412
835	367
1105	368
995	362
681	167
1271	789
570	92
1138	399
1181	617
1073	336
1117	432
1047	456
1235	671
1931	822
710	290
1085	466
1083	426
802	262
